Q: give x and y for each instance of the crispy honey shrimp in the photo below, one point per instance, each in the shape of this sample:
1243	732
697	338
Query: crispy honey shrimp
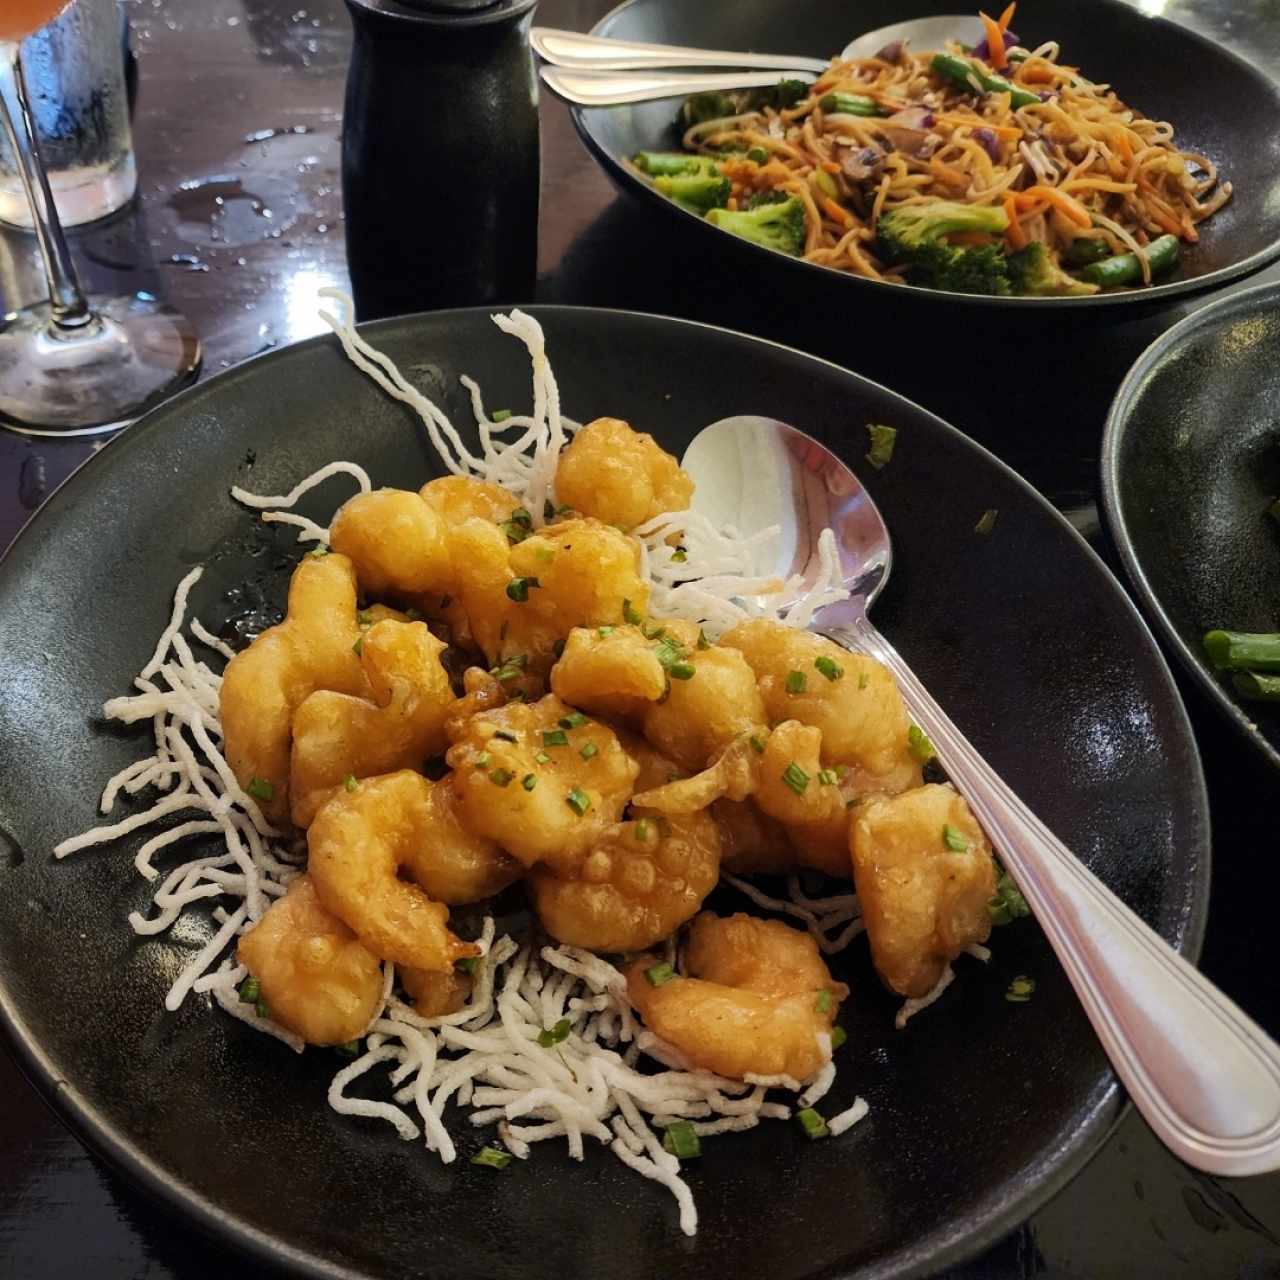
751	842
264	685
619	475
460	498
756	999
397	542
316	977
541	779
336	736
609	671
356	844
924	874
852	698
435	992
638	883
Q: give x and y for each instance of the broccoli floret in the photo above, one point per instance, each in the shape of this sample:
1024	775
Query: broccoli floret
1032	270
707	106
777	226
780	96
696	191
757	198
657	163
914	236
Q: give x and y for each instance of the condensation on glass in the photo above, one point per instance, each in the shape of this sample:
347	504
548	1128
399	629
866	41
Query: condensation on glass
75	75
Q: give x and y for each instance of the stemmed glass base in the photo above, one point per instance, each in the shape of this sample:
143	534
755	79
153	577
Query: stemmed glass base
129	353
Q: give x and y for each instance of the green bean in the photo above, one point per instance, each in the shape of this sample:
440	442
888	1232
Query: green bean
1125	268
966	74
849	104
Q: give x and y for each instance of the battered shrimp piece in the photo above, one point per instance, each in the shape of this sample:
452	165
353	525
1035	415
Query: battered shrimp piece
315	977
336	736
264	685
433	992
752	843
640	882
753	1003
452	865
852	698
524	598
620	476
706	710
357	842
924	874
610	671
396	540
542	780
459	498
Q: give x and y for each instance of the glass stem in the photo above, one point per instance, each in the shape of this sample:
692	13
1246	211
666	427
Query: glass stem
67	304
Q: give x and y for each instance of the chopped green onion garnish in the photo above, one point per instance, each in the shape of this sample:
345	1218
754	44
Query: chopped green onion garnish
511	667
350	782
659	973
796	778
643	829
668	652
812	1124
588	751
680	671
578	801
796	681
516	533
863	680
482	760
261	1009
1020	989
954	839
358	647
655	633
501	777
500	415
987	521
349	1050
317	552
574	720
467	964
542	758
919	746
249	990
703	642
602	632
838	1036
829	667
1008	903
630	615
681	1140
679	556
828	777
555	738
557	1034
518	589
823	1003
260	788
364	618
528	782
882	441
521	516
757	744
491	1158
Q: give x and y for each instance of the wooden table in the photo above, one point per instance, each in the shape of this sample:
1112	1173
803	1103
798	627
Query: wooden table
240	222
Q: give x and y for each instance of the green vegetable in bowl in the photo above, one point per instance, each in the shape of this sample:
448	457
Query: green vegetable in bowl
975	76
913	235
775	225
1125	269
697	192
1033	271
669	163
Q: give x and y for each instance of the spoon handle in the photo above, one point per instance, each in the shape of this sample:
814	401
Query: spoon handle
600	53
614	88
1203	1074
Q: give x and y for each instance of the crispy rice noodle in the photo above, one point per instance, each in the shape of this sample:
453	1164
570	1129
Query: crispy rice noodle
1115	174
609	1080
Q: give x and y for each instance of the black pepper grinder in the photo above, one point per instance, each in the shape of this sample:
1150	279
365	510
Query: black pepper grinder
440	155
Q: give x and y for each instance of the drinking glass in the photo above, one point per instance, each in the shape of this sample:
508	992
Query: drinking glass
75	364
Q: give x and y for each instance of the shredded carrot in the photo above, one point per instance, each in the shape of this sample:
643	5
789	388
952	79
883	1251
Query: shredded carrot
1098	184
977	122
830	166
1120	143
1036	71
995	42
1006	17
952	177
1066	204
836	213
1015	235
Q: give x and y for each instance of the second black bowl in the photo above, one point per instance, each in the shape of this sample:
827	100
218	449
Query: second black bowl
1218	104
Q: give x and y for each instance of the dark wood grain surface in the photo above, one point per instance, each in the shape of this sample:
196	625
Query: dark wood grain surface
240	223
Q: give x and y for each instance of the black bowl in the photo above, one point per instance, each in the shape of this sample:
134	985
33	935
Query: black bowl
980	1110
1190	463
1218	104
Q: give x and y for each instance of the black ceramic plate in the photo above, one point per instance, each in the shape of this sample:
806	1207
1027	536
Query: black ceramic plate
1218	103
979	1110
1190	463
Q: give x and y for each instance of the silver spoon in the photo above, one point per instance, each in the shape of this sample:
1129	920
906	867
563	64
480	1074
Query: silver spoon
1203	1074
596	71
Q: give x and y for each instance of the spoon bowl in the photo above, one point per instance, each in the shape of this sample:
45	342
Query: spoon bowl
1204	1075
